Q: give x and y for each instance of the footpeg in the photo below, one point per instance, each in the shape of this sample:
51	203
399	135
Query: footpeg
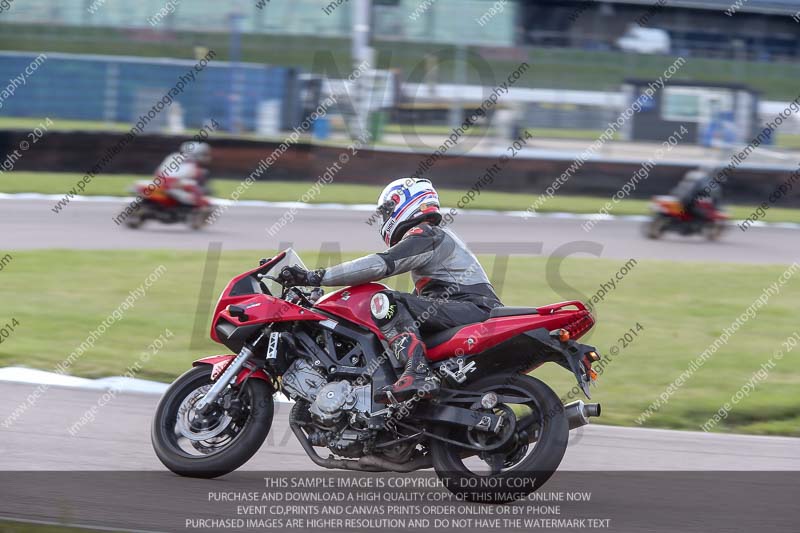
460	374
392	400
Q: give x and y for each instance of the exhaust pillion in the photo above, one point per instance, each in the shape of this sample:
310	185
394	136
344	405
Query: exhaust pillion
489	419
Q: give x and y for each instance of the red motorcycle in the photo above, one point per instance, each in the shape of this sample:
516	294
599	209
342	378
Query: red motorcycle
669	215
169	202
490	417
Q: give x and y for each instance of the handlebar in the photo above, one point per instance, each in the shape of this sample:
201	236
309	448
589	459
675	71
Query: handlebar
307	297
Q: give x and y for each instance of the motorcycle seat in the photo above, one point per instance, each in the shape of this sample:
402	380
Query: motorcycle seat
512	311
434	339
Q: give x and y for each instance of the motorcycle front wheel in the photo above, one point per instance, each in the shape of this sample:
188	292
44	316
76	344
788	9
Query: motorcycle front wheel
216	443
198	218
524	454
655	227
713	231
135	219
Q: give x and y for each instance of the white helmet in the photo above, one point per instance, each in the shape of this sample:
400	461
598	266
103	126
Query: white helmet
404	203
196	151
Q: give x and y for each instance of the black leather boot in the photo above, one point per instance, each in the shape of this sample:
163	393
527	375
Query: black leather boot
417	379
402	334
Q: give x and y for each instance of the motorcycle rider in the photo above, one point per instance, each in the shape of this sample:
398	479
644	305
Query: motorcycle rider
451	287
184	174
697	184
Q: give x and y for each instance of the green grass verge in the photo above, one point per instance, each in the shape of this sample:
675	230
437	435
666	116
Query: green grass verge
788	141
566	133
28	123
683	308
427	129
282	191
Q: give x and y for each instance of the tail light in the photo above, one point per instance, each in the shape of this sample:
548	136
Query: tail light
582	323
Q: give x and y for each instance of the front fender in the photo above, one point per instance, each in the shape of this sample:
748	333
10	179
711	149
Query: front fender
220	362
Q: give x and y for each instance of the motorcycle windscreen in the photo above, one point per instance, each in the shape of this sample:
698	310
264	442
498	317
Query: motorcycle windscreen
290	259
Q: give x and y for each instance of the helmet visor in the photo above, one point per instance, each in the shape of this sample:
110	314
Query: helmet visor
386	209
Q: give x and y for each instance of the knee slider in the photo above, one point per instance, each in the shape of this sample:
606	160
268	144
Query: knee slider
383	308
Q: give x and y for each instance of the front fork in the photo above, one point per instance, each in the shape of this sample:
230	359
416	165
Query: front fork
228	376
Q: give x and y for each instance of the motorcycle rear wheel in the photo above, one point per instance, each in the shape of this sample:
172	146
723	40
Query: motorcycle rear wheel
222	443
517	470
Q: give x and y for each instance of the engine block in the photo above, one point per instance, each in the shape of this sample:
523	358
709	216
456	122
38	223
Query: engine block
329	401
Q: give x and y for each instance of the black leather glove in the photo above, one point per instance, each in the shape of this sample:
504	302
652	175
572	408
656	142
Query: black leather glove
295	275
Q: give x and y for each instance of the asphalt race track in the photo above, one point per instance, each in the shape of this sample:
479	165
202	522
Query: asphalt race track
107	475
119	440
30	224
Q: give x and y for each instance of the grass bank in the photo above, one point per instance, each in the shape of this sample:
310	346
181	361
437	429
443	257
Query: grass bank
58	297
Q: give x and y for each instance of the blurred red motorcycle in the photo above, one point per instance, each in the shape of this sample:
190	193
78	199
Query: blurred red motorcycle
670	215
171	201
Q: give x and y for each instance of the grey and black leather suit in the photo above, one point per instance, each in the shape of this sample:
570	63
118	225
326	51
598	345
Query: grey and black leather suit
695	185
451	287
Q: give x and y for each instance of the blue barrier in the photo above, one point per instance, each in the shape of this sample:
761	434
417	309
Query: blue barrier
120	89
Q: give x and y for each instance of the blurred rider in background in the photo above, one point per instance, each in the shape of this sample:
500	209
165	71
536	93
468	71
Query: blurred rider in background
452	288
696	185
184	174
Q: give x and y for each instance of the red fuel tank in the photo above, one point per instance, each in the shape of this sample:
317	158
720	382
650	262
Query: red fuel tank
352	303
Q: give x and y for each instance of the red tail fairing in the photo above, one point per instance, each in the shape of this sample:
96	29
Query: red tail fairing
476	338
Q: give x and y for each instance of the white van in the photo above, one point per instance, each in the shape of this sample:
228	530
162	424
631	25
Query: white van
644	40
